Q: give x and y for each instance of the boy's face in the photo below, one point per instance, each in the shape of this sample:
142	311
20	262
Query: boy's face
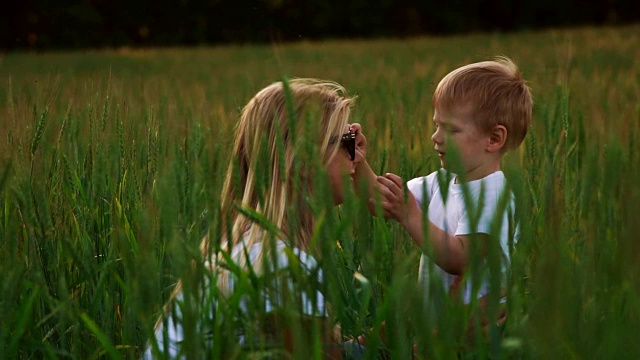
457	130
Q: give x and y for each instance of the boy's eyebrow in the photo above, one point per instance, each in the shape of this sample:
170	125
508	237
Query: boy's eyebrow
445	124
440	121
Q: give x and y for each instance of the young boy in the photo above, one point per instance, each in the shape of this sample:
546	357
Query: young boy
481	111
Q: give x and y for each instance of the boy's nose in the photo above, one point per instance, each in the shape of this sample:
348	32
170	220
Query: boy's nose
437	136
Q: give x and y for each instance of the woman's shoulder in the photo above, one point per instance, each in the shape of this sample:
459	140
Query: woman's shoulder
285	253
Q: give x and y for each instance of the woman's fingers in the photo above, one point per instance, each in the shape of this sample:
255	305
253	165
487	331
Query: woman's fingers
361	140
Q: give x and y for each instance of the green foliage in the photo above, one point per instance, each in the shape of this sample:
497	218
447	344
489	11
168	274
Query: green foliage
112	164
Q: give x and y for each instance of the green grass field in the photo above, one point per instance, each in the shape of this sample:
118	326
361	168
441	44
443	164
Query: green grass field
111	164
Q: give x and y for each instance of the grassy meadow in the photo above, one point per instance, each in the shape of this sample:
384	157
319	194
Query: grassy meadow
112	161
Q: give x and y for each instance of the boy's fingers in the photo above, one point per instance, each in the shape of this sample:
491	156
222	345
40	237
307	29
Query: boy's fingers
387	209
395	178
391	185
373	208
385	187
386	182
381	207
386	193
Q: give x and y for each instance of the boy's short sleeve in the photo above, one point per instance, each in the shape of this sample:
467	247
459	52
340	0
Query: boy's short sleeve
482	227
422	188
488	213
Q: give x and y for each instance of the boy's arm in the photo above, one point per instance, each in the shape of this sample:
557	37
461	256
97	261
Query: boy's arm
450	252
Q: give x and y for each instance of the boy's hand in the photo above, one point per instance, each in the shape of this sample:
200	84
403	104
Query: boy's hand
393	202
361	142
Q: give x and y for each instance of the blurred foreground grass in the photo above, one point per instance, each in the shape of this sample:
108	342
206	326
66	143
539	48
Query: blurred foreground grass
112	162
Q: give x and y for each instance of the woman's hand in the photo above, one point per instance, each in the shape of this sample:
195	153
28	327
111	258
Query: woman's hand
365	179
361	142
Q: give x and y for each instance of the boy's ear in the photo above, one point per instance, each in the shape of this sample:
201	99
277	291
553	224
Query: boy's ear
497	138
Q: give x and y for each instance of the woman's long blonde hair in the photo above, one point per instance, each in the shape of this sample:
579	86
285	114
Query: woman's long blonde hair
267	161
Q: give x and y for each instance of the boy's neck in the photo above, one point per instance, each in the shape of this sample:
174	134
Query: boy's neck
478	173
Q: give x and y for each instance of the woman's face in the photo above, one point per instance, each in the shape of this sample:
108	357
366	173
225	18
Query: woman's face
341	170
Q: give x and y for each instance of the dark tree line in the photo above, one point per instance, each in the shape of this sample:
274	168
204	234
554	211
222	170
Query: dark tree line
48	24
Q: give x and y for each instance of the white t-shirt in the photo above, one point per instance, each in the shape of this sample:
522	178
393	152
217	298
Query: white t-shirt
447	210
314	305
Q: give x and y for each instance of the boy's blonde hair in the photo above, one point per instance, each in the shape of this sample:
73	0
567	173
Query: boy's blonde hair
494	93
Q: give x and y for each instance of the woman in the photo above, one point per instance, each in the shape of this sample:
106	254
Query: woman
266	246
